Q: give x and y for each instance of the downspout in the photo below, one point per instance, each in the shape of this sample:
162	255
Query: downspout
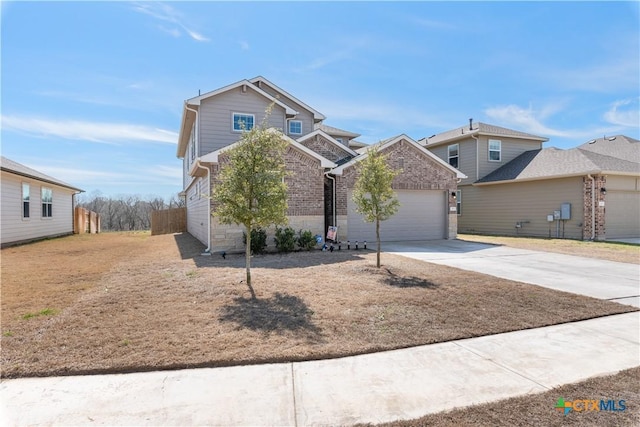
593	206
333	205
199	166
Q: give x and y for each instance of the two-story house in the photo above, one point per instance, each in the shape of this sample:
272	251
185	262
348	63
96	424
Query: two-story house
515	187
321	165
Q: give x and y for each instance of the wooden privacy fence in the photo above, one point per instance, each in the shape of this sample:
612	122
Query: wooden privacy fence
85	221
169	221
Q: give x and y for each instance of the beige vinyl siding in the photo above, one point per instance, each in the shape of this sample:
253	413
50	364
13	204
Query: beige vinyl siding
215	117
622	207
466	157
198	209
13	228
510	149
305	116
495	209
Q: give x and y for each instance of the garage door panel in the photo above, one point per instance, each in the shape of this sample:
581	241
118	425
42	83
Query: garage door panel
622	214
421	216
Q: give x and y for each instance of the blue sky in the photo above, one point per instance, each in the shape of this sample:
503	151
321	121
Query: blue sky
92	92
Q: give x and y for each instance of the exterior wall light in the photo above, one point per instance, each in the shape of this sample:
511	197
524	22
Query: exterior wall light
603	190
454	195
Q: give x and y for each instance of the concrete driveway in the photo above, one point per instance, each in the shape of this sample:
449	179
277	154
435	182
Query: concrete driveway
596	278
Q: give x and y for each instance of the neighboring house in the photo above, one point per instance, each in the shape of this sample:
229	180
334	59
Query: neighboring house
515	187
34	205
319	159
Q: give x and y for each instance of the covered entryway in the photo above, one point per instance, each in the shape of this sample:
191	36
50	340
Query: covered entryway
421	216
622	214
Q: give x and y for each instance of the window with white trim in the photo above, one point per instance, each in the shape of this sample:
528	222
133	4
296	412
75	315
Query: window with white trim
459	202
26	190
47	202
495	150
453	155
340	140
295	127
243	121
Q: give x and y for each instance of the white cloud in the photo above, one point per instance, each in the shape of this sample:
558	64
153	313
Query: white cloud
87	131
244	45
530	120
432	24
166	13
624	113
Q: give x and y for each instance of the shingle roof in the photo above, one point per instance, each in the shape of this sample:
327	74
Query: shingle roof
9	165
478	128
336	131
620	155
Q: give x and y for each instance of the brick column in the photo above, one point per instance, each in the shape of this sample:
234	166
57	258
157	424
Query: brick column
597	215
452	215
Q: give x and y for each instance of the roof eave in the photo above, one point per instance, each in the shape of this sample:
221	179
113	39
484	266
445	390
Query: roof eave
37	178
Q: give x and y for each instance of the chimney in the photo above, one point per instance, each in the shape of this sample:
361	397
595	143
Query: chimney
471	124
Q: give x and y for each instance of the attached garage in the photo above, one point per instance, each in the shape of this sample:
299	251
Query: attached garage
425	187
622	214
422	216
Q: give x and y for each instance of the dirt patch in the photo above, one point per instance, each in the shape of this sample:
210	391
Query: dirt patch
119	302
539	409
620	252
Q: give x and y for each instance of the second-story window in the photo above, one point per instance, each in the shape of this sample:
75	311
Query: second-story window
340	140
242	121
453	155
495	150
295	127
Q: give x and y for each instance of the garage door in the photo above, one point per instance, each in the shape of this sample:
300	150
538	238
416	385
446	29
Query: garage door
622	214
421	216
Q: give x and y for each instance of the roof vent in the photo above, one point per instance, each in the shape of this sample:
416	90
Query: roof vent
471	123
612	138
593	141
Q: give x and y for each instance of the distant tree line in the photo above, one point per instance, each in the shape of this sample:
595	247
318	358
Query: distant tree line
126	212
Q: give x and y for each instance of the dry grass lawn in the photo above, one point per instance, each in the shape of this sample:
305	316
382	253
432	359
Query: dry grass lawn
621	252
119	302
539	409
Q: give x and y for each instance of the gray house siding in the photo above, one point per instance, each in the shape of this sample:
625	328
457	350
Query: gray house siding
215	117
466	157
511	148
496	209
305	116
198	209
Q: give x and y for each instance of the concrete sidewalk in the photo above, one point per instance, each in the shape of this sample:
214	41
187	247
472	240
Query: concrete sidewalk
386	386
592	277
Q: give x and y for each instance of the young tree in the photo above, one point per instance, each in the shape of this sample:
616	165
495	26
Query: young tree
252	191
373	195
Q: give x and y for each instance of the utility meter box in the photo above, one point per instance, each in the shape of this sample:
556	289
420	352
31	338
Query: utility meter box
556	215
565	211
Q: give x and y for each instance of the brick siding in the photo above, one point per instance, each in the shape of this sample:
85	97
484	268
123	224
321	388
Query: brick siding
325	148
600	231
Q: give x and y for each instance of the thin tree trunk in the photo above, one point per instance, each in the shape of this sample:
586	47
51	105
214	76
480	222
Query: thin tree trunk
247	256
378	239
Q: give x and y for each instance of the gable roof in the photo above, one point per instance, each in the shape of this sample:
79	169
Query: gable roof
188	116
328	138
318	116
622	158
16	168
478	128
336	131
324	162
388	143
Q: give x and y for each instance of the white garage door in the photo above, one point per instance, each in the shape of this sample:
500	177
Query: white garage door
622	214
421	216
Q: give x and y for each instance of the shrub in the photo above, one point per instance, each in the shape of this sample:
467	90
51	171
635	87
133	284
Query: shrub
306	240
285	239
258	240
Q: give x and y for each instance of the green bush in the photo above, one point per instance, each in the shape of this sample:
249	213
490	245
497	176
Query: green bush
306	240
258	240
285	239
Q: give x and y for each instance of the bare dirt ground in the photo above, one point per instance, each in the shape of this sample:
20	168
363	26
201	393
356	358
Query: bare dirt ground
621	252
119	302
539	409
